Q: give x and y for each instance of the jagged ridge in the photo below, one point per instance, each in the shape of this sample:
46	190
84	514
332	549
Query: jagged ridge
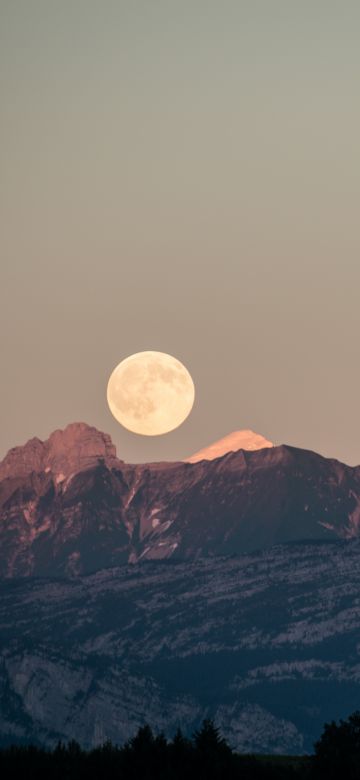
70	506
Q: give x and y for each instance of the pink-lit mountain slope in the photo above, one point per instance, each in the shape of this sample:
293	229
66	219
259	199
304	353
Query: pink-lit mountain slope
70	506
238	440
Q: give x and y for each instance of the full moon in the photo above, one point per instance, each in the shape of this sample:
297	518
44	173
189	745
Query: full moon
150	393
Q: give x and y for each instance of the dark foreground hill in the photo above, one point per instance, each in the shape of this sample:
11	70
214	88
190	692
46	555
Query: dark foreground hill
69	506
267	644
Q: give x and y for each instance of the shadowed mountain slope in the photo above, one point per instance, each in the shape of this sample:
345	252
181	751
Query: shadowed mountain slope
266	643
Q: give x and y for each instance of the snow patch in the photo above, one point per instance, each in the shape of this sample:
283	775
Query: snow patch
329	526
155	522
166	525
133	491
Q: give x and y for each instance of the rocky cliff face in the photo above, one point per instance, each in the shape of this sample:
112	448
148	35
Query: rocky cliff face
266	643
69	506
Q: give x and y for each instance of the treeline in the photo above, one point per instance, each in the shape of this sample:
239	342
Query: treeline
207	756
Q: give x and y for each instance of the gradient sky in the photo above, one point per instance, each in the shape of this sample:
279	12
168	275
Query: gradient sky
183	176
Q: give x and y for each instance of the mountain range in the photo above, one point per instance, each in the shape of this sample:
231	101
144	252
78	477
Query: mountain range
265	643
223	586
69	506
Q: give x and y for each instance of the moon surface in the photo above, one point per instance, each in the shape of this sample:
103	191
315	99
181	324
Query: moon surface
150	393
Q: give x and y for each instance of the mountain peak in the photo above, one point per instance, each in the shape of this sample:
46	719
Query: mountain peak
237	440
76	446
69	506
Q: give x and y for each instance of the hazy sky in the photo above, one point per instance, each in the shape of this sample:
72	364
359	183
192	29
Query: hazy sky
183	176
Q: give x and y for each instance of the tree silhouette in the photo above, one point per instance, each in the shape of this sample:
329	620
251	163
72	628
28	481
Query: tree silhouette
150	757
209	739
337	752
180	756
145	756
213	753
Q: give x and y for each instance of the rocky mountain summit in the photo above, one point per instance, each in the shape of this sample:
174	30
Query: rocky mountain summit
73	449
266	643
70	506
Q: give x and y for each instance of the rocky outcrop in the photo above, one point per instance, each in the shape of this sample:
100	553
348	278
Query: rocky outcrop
69	506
